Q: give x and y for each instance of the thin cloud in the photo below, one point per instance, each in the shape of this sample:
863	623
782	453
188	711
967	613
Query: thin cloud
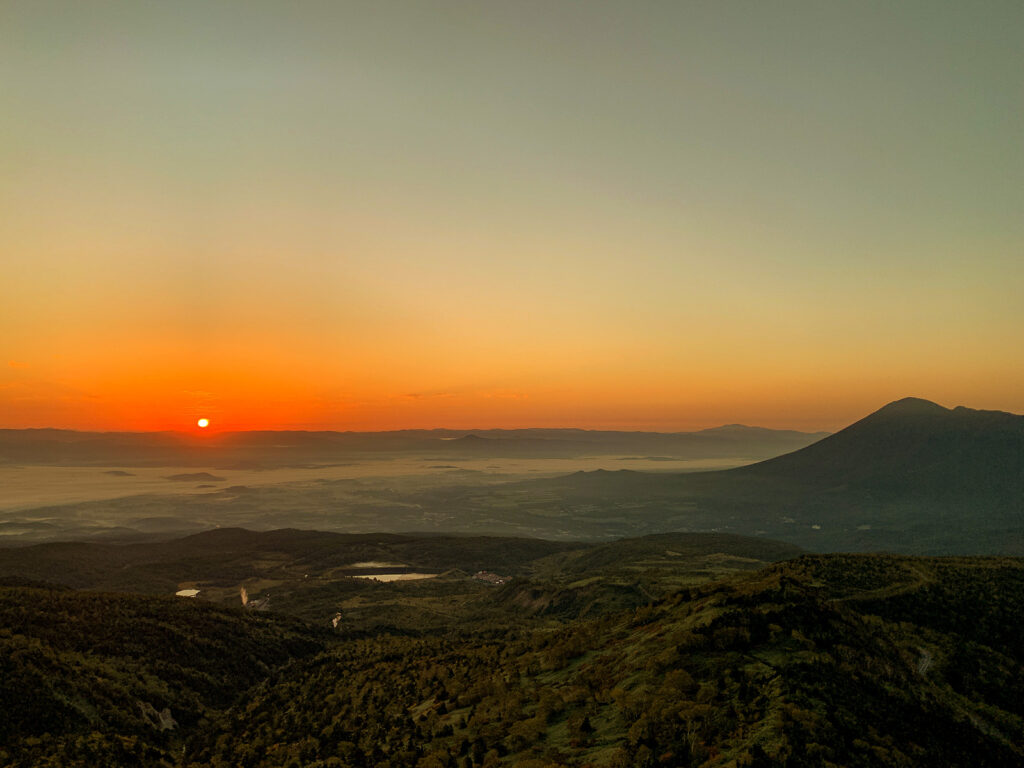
506	394
428	395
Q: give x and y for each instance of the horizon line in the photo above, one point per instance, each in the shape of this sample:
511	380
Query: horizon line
212	431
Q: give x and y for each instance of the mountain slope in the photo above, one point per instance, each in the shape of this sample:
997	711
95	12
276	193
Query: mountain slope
822	661
916	445
912	477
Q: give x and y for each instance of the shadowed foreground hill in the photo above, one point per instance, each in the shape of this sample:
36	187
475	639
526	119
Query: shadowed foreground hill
90	679
822	661
912	477
843	660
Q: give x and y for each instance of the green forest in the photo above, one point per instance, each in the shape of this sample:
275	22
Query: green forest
820	660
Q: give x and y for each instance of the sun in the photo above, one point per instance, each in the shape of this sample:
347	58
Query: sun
203	423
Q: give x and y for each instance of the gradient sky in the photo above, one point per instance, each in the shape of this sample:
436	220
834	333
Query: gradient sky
661	215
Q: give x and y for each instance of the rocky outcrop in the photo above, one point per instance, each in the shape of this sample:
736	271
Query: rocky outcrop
161	721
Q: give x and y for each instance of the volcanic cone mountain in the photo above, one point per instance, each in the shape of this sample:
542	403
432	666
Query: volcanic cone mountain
912	477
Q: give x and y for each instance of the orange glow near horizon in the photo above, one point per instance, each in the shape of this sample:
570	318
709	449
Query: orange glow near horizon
245	396
375	216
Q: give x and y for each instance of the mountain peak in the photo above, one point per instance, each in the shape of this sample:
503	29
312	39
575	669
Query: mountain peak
917	445
911	406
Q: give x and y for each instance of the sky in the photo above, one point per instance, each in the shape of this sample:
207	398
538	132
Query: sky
631	215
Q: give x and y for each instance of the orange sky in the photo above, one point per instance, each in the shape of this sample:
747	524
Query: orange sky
507	215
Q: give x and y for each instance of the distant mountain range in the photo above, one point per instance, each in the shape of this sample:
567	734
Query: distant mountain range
285	448
912	477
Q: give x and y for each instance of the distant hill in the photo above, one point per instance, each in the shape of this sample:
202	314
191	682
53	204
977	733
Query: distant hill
948	477
195	477
311	573
913	446
912	477
233	555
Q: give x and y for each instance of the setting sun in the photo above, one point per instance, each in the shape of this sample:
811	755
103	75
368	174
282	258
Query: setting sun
203	423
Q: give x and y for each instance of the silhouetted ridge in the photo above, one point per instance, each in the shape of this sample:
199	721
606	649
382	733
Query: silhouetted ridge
909	406
912	445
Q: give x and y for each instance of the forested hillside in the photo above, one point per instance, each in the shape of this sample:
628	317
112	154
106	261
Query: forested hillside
845	660
90	679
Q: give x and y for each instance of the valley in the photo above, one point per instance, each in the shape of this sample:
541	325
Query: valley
410	611
913	477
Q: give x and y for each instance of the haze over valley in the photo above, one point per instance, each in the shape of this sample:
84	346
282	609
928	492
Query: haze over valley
913	477
64	483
